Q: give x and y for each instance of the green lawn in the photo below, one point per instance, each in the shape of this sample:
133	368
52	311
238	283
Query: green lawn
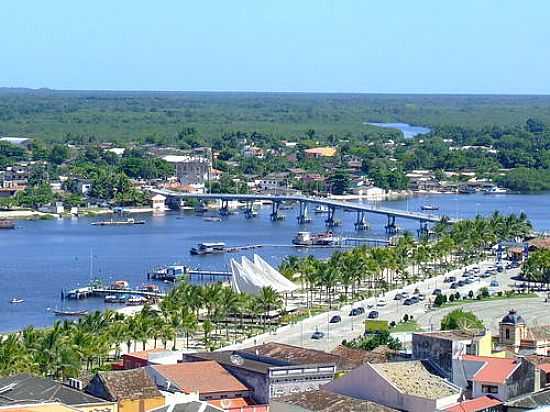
409	326
488	299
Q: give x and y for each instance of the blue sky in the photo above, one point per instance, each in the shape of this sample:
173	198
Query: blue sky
393	46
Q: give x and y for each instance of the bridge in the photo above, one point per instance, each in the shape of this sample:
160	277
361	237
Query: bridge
303	202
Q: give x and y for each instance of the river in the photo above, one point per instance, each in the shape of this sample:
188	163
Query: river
408	130
40	258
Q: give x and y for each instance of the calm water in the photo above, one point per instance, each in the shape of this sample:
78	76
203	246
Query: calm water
408	131
40	258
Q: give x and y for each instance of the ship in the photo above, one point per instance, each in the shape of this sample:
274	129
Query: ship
7	224
315	239
129	221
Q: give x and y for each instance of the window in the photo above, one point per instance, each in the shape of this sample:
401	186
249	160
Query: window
489	388
469	385
507	333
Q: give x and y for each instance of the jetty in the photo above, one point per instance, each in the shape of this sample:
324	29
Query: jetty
101	291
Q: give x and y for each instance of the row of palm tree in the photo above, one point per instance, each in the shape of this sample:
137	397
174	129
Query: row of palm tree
70	347
537	267
407	261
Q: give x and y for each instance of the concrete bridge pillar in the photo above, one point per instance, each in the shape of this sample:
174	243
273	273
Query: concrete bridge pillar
249	210
330	221
303	216
391	227
361	222
423	230
224	210
275	216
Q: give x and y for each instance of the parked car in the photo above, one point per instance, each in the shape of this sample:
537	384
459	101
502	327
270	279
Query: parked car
494	284
476	269
317	335
421	296
436	292
468	281
398	296
335	319
454	285
405	295
381	302
500	268
413	299
461	283
354	312
416	291
449	279
361	310
373	314
407	302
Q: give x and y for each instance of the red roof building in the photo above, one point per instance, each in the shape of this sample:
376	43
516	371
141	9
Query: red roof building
481	404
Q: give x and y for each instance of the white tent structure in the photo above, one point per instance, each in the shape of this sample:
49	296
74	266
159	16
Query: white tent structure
251	276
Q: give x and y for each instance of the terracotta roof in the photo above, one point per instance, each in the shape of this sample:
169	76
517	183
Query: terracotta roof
295	355
203	377
127	385
545	367
325	401
494	370
230	403
538	333
474	405
540	243
352	358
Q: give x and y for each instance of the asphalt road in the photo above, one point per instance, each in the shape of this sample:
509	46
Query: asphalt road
350	327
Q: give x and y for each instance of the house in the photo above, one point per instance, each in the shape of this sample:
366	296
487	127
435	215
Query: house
25	388
253	151
269	378
190	169
501	378
481	404
357	357
516	336
407	385
530	401
208	378
440	347
318	152
158	202
26	142
324	401
132	390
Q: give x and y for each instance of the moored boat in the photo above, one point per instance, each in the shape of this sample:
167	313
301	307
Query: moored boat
136	300
129	221
70	312
208	248
16	300
429	207
7	224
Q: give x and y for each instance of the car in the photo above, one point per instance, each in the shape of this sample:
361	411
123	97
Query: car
461	283
361	310
407	302
381	302
405	295
421	296
466	274
398	296
509	266
468	281
354	312
317	335
416	291
335	319
414	299
449	279
500	268
436	292
491	268
373	314
454	285
476	269
494	284
485	275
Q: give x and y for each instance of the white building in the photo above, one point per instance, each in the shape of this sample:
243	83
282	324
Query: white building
190	169
158	202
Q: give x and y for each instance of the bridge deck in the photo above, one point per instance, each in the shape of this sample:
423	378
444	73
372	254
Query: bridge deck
425	217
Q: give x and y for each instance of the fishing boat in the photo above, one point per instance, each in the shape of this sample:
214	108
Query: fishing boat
212	219
466	190
129	221
7	224
208	248
16	300
429	207
70	312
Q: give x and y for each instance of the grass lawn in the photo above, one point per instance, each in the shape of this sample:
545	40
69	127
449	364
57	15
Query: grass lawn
488	299
409	326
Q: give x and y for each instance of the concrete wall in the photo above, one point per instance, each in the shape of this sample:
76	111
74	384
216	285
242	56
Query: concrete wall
438	350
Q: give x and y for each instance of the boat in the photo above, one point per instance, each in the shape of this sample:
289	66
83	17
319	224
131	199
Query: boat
129	221
429	207
70	312
16	300
135	300
302	239
119	285
212	219
317	239
150	288
111	299
208	248
321	209
7	224
466	190
495	190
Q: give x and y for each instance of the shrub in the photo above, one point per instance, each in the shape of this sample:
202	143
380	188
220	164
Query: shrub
405	318
452	298
471	294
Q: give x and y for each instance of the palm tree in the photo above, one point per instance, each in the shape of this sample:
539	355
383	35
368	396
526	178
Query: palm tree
269	299
188	323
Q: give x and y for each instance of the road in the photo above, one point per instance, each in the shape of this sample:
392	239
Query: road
350	327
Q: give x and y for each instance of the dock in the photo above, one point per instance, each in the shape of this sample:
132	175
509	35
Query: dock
99	291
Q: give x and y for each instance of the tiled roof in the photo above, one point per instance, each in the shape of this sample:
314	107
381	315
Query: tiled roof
143	354
128	385
475	405
325	401
203	377
539	333
451	334
494	370
352	358
413	378
230	403
32	388
293	354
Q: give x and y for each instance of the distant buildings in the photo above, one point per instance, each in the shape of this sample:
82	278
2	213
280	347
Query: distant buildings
190	170
18	141
319	152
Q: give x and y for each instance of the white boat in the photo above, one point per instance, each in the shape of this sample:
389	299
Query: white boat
495	190
303	239
212	219
208	248
429	207
321	209
16	300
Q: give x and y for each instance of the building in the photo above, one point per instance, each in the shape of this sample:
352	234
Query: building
500	378
481	404
133	390
194	406
441	347
324	401
516	336
352	358
210	380
134	360
25	388
319	152
158	202
530	401
269	378
190	170
407	386
38	407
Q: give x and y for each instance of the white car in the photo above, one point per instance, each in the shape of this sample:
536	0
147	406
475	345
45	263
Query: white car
381	302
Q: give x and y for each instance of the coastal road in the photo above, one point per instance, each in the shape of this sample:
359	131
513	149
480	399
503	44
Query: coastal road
300	333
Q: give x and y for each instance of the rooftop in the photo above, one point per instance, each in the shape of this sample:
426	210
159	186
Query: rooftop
493	370
144	355
474	405
531	400
128	385
457	334
40	407
324	401
28	388
294	354
194	406
233	359
202	377
322	151
413	378
352	358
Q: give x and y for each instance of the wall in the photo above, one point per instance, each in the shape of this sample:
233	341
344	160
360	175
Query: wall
98	407
522	380
140	405
477	392
438	350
